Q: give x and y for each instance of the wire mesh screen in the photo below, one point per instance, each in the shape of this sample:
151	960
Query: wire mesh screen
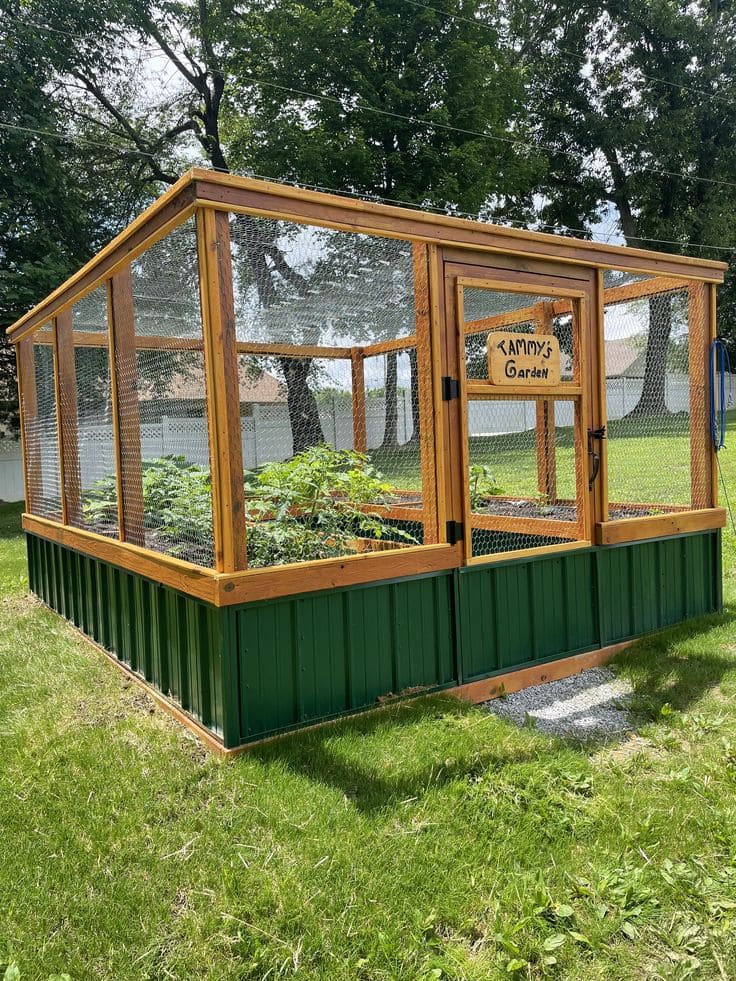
487	311
648	404
41	429
169	453
297	284
330	432
523	474
90	404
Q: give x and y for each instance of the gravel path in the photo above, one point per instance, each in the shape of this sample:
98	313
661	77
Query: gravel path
592	704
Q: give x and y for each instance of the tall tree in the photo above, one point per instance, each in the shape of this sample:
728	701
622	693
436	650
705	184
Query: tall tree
634	104
386	97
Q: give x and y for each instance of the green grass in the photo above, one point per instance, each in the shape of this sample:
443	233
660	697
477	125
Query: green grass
426	840
647	461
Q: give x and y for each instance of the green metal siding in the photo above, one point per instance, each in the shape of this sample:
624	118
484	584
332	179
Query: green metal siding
171	640
252	670
526	610
649	585
311	657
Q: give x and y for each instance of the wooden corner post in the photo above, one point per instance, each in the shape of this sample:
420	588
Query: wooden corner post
223	388
700	436
66	407
126	412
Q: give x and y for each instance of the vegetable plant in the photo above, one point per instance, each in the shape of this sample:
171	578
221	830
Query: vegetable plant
313	506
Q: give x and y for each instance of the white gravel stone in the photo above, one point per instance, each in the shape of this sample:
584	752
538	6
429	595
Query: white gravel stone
591	705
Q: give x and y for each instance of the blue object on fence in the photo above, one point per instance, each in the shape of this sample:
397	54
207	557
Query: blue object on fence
719	364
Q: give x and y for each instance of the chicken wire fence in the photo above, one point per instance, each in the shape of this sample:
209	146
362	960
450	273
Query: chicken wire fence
43	468
309	305
523	482
648	401
90	480
334	392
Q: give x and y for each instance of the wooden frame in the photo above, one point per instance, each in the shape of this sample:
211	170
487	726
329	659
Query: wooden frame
445	250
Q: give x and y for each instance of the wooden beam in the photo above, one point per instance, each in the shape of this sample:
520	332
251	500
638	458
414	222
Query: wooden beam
28	405
520	393
184	576
438	330
599	395
126	414
659	526
223	389
522	554
292	350
325	574
525	525
642	289
360	429
511	681
66	375
423	380
700	436
397	343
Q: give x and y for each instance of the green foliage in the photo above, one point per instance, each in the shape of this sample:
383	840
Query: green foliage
483	484
311	507
177	502
308	507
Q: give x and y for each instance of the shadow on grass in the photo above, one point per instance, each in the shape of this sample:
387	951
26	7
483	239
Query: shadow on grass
343	755
10	520
672	666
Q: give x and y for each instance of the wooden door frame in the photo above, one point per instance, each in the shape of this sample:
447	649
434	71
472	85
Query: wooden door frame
504	273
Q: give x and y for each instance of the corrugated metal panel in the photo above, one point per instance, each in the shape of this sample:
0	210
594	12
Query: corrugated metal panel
526	610
248	671
648	585
312	657
172	641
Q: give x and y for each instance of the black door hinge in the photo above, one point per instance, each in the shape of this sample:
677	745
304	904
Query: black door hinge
450	388
454	531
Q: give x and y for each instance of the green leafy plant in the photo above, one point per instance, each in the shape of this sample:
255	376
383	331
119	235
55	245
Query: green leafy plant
177	506
316	505
313	506
482	485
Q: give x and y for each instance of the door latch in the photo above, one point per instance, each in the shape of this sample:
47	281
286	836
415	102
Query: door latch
595	457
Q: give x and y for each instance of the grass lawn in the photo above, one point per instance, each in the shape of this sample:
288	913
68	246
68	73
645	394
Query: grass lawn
425	841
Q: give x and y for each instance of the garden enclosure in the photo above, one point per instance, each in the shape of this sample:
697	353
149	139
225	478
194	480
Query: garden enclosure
262	416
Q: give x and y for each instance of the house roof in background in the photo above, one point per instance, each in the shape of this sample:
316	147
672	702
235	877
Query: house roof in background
189	386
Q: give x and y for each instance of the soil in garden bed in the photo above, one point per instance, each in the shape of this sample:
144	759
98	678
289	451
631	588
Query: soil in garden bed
504	507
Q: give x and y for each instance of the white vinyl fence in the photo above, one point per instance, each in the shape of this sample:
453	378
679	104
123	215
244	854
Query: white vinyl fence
267	433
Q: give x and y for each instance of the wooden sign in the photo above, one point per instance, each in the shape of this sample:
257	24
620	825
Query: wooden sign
523	359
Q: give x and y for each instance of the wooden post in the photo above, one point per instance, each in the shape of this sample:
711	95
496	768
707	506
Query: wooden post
66	407
425	393
28	405
126	411
223	388
598	394
360	427
700	438
545	425
712	334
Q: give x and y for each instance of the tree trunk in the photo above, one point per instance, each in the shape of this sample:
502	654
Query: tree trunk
652	401
306	428
390	431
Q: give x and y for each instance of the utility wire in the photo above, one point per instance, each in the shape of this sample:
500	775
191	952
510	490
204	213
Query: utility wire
494	219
